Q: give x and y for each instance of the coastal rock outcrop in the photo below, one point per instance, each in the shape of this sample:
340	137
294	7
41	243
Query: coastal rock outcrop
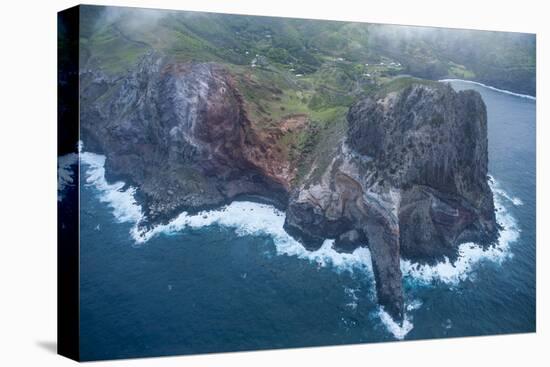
409	181
180	133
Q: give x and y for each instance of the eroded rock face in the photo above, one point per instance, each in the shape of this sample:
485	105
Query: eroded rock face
178	132
410	180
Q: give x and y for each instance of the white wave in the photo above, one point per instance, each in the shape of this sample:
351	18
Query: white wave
246	218
351	292
497	189
65	173
470	254
491	88
120	199
249	218
413	305
398	331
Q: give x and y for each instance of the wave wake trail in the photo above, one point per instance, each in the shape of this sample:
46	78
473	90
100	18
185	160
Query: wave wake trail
527	96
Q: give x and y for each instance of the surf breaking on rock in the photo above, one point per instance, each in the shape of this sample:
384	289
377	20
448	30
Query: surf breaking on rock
250	218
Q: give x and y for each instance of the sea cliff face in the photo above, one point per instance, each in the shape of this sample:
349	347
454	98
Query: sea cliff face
409	179
180	133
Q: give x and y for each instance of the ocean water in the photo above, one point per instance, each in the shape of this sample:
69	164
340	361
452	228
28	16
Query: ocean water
232	279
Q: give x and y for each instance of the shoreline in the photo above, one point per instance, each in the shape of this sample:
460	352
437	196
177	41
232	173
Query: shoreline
268	219
247	217
527	96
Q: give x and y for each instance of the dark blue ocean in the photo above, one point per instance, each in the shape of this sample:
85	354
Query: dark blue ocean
231	280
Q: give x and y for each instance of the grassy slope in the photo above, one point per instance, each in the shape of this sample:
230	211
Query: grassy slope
506	60
291	66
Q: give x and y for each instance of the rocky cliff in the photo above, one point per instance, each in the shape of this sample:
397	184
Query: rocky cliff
409	180
180	133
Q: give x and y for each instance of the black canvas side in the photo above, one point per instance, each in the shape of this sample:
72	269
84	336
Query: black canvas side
68	341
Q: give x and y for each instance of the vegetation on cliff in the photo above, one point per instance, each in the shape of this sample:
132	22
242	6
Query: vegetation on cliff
284	67
343	124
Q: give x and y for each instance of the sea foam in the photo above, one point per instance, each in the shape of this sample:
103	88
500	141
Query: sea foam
491	88
121	199
398	331
250	218
497	189
65	173
470	254
246	218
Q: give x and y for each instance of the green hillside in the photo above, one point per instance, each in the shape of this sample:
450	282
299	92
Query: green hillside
315	68
328	53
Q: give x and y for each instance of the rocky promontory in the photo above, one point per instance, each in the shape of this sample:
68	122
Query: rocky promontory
408	179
